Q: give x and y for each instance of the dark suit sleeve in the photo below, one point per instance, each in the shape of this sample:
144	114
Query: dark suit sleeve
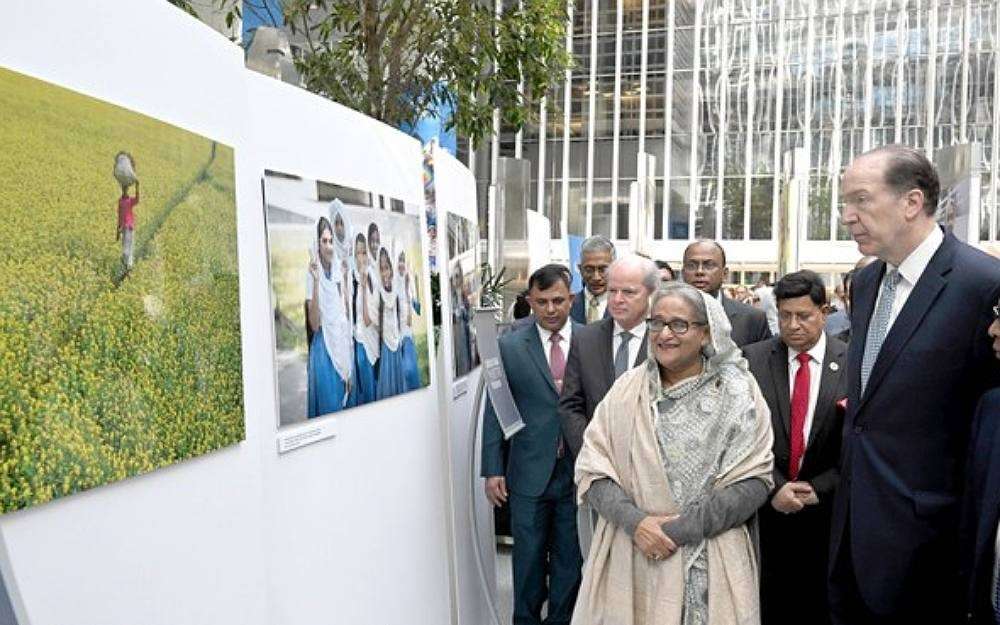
492	454
573	402
492	439
577	311
761	331
983	349
972	498
779	481
826	482
756	355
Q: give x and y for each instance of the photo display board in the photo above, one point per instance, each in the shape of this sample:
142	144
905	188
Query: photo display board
463	279
346	278
119	294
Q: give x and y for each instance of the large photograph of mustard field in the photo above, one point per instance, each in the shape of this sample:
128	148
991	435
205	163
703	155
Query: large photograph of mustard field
119	295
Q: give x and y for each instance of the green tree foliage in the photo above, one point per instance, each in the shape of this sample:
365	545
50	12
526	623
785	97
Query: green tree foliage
185	6
397	60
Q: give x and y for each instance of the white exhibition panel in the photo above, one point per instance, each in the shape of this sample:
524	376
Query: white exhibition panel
355	525
455	193
181	544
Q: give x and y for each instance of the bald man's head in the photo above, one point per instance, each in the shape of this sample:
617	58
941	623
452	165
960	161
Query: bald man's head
704	266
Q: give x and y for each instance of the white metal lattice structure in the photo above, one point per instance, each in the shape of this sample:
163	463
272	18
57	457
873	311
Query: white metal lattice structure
720	90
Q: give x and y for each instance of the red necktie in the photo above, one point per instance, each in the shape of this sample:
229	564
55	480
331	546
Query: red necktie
800	406
557	360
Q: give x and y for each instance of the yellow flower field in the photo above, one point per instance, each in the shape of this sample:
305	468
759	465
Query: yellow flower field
105	375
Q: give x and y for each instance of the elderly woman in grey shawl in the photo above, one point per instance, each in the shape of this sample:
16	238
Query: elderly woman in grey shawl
676	461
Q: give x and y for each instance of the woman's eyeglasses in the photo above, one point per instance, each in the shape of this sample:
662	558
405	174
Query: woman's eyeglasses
679	327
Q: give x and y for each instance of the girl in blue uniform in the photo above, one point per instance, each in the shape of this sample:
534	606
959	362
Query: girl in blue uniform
364	314
391	380
330	365
408	303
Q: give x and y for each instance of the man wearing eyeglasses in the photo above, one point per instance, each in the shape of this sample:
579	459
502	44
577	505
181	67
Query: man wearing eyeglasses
601	352
800	373
981	509
590	304
704	268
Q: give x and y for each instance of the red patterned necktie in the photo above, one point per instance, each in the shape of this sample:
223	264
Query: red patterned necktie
557	360
557	365
800	406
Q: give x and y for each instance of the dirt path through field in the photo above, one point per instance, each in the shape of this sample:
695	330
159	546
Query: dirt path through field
148	233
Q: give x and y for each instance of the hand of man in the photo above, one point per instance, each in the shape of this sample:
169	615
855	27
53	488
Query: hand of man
786	501
496	490
804	492
651	540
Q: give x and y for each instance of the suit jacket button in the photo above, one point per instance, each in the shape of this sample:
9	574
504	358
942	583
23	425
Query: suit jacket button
858	429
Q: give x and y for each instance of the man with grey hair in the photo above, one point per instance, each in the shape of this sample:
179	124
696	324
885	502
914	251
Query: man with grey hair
602	351
590	303
916	367
607	349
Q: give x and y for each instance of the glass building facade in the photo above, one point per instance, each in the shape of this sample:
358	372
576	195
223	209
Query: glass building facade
720	90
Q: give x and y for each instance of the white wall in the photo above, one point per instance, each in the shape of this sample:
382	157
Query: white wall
182	544
355	526
474	575
347	530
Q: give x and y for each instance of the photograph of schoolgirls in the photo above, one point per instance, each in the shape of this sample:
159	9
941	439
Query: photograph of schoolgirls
350	312
464	282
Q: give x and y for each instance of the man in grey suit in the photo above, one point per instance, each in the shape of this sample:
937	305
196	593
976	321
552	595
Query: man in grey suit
590	304
704	268
800	373
603	351
537	478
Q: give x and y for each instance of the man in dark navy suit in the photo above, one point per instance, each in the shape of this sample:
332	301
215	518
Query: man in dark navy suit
538	476
917	367
981	512
590	304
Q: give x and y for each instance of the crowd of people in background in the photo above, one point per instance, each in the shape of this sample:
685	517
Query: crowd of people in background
787	453
359	310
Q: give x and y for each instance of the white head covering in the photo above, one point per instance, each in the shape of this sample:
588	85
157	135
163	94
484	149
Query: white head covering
343	247
334	321
722	352
367	336
390	306
405	299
